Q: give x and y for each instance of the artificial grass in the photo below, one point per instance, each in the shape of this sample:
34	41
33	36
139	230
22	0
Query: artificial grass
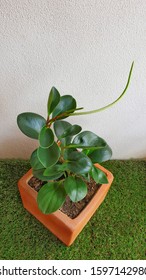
116	231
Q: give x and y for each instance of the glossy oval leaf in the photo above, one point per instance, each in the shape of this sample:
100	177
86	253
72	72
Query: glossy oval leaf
79	163
51	197
53	100
59	128
98	175
66	103
30	124
49	156
34	161
40	175
100	155
71	131
67	152
46	137
53	170
88	139
76	188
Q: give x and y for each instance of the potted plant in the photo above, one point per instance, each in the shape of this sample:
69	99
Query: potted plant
65	166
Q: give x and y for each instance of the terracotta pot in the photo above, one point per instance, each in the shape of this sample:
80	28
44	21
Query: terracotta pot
65	228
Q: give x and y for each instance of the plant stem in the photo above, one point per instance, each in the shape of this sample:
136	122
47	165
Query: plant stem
111	104
65	114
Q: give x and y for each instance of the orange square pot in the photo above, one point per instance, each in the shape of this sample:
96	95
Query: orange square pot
65	228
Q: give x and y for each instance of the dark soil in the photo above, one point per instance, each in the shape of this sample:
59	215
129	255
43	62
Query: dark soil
71	209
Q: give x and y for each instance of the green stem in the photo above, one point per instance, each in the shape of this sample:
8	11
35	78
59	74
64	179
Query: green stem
111	104
65	114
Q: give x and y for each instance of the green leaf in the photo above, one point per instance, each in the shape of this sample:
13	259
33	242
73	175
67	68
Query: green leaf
30	124
67	152
46	137
100	155
98	175
40	175
66	103
34	161
51	197
88	139
59	128
79	163
53	100
72	130
76	188
49	156
54	170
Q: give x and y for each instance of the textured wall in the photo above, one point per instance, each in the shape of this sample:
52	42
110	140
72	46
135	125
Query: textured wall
84	48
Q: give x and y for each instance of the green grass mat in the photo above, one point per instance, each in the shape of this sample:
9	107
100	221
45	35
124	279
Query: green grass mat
116	231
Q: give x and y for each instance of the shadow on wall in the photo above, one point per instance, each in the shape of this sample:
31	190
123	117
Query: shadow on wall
20	148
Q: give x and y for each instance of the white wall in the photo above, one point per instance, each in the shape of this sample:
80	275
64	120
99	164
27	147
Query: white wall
84	48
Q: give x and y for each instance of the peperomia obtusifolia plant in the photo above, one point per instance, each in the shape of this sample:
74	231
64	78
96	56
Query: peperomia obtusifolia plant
66	155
